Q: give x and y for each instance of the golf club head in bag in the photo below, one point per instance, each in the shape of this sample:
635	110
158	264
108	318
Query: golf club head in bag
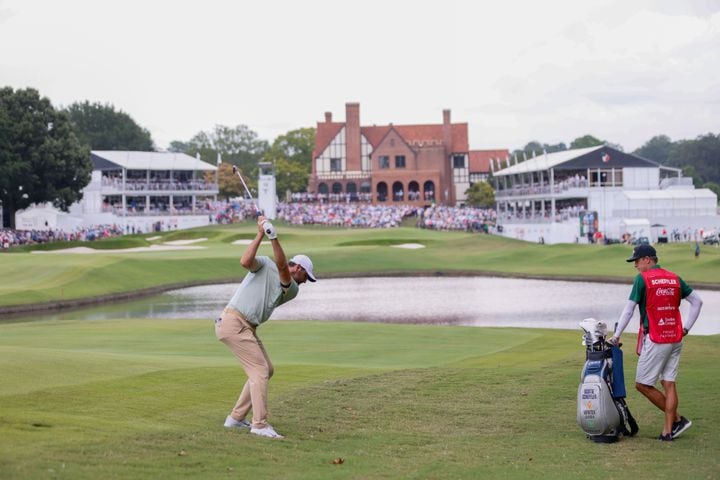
595	334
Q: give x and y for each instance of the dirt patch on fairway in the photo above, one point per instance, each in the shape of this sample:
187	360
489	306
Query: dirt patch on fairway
151	248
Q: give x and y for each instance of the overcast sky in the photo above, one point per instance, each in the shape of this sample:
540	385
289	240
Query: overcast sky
515	71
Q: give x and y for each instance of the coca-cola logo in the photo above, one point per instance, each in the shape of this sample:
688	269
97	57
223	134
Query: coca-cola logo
665	292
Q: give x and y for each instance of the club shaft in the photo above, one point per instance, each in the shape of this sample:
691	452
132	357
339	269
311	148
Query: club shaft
248	191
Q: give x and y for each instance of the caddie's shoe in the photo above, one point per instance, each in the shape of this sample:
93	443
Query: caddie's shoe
268	431
680	426
667	437
230	422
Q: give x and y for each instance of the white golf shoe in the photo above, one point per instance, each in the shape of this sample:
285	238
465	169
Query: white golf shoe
230	422
268	431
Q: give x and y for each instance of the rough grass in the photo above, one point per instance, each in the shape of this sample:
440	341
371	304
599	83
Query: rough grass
146	399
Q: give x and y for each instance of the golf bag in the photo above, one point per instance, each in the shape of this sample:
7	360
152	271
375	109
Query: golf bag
601	409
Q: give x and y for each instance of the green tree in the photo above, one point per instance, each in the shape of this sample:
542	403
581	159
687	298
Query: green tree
41	159
292	155
291	176
533	149
536	148
179	147
585	142
237	145
229	184
714	187
103	128
296	146
690	172
480	194
657	149
703	154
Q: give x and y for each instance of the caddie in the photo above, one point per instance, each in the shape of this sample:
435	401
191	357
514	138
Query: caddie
660	339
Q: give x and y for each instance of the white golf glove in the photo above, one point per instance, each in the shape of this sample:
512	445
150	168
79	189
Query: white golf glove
269	230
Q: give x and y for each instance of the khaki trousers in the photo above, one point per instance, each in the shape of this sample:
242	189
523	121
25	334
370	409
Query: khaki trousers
239	335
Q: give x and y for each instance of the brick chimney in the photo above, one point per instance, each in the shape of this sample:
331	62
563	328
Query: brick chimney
447	132
328	117
352	136
449	197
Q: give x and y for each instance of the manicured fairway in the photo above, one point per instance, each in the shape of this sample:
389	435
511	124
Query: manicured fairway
27	278
146	399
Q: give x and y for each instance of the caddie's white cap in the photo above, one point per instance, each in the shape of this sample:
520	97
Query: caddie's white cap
305	262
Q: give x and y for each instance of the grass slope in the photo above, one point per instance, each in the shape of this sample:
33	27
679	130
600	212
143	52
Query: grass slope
27	278
146	399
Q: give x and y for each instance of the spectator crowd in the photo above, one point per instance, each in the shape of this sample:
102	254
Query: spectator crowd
10	237
387	216
346	215
465	219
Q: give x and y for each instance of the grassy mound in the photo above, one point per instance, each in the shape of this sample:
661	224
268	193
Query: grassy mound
192	234
113	243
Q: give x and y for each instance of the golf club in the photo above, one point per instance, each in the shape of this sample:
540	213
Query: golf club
267	226
236	171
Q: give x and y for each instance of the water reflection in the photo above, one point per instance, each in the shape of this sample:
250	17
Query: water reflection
469	301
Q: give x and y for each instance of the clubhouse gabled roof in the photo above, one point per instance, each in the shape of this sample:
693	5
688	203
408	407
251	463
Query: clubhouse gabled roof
592	157
414	135
130	160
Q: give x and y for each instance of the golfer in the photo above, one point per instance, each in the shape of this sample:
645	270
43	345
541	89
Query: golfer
659	292
269	284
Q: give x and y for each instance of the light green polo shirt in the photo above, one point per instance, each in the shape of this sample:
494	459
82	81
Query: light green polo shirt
260	292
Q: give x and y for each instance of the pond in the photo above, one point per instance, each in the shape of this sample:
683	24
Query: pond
468	301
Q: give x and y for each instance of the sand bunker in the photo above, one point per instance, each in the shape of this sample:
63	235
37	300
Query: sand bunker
156	237
247	241
185	242
411	246
88	250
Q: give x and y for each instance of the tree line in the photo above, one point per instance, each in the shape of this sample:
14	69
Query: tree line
45	151
290	153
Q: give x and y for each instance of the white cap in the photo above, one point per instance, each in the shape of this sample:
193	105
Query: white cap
305	262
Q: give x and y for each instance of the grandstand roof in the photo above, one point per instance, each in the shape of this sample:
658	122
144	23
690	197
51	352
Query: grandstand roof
601	156
113	159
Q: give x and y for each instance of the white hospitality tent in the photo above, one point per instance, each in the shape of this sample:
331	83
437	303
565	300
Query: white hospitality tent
37	217
667	203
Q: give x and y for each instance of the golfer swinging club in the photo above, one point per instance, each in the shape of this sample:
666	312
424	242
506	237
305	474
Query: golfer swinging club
267	285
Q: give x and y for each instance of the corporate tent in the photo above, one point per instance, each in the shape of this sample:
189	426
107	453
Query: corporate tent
668	203
43	217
